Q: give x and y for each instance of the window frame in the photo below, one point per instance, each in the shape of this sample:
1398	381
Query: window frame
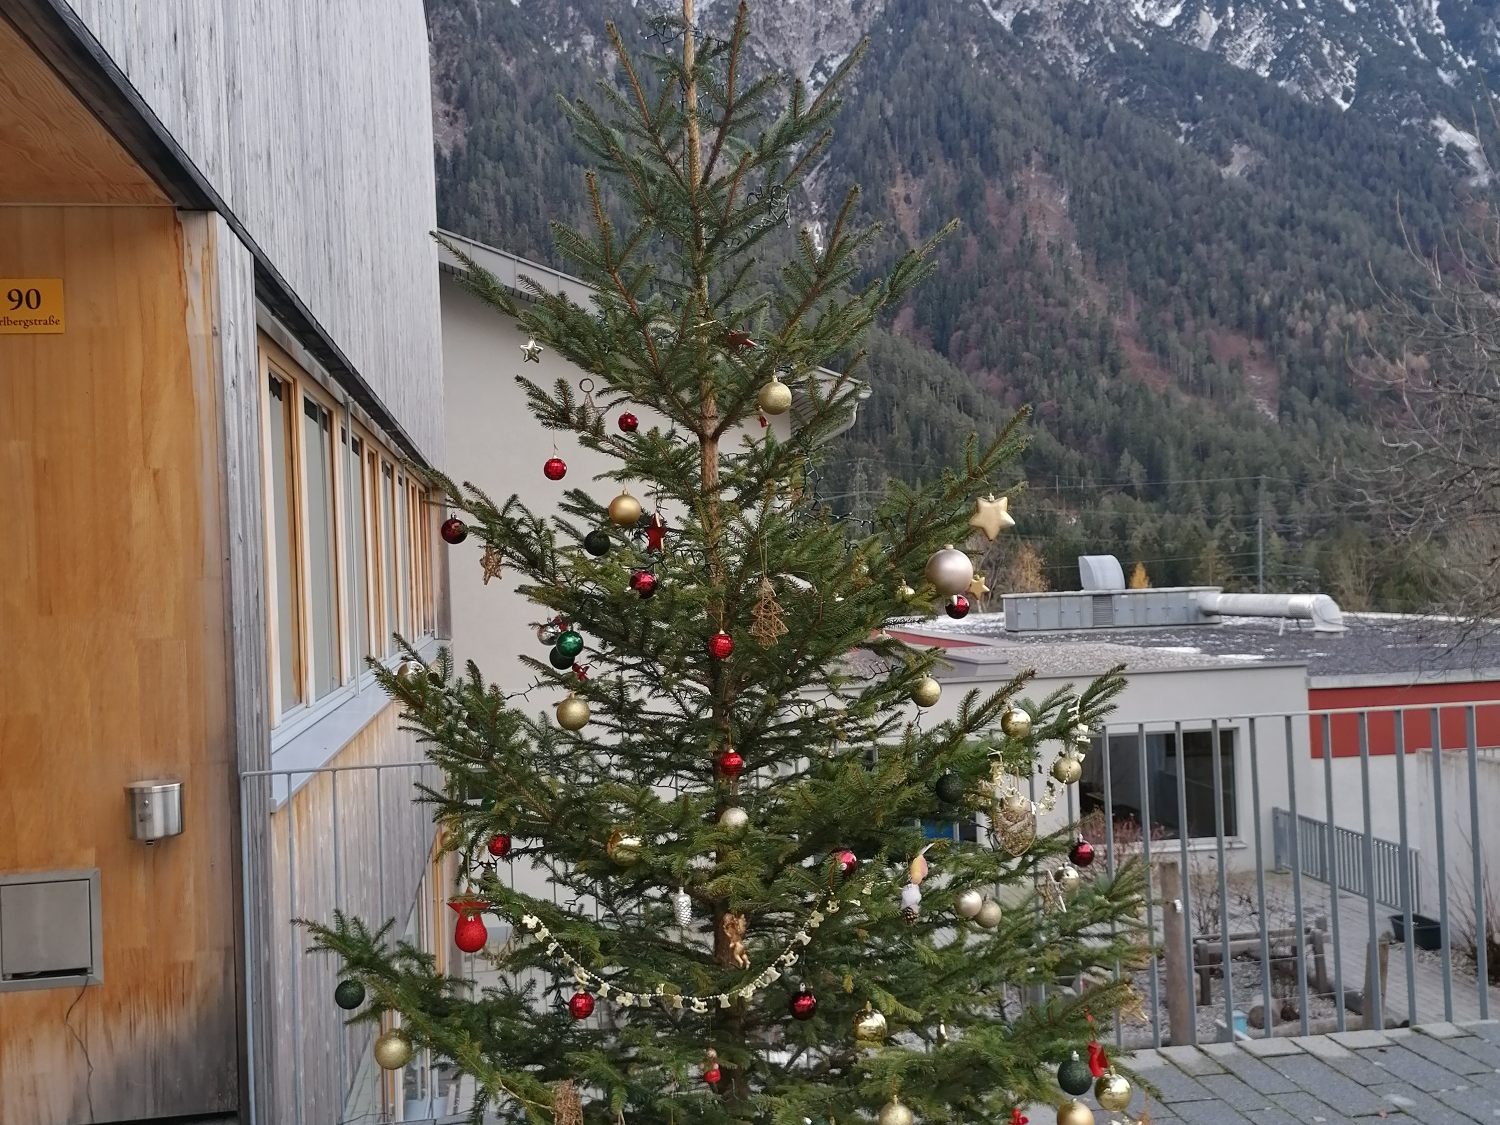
1136	739
310	392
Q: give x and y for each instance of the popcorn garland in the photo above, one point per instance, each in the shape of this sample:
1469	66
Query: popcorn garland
676	1002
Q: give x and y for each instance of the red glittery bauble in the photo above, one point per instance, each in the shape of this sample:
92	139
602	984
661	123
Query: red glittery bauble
712	1075
643	582
803	1005
581	1005
453	530
629	422
731	764
957	606
469	934
499	845
1081	854
555	468
720	645
848	861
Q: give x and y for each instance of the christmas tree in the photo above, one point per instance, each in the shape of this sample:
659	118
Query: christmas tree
737	787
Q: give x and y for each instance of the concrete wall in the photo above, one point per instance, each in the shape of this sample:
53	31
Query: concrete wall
313	122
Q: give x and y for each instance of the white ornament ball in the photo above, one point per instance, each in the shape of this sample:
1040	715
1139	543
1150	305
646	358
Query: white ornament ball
734	818
969	904
950	571
989	914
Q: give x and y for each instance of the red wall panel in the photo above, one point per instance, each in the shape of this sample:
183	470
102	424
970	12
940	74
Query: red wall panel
1451	700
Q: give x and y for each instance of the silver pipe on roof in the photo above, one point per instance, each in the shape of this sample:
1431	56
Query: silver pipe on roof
1320	609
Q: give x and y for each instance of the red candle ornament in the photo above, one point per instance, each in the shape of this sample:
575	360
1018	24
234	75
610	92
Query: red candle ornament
581	1005
643	582
804	1004
957	606
499	845
469	932
731	764
554	468
453	530
629	423
1082	853
720	645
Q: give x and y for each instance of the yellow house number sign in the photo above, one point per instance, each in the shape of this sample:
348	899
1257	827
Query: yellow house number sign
31	306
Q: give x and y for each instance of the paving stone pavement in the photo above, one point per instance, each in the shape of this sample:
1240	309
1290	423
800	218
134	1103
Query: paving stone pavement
1439	1075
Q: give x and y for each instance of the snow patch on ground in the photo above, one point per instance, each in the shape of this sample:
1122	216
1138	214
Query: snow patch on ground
1207	28
1163	13
1468	144
1242	158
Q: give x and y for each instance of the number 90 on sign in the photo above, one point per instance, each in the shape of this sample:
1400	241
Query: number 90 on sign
31	306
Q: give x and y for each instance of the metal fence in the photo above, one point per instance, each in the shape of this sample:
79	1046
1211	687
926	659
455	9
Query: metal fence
1207	804
1330	850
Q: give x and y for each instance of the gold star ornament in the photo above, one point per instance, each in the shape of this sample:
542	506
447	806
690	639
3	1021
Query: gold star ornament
979	587
531	352
492	564
991	516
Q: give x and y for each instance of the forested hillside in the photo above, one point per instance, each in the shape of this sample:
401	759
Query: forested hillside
1176	262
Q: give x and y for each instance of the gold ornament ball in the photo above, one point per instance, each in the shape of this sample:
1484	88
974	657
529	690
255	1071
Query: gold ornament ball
905	592
989	914
1074	1113
775	397
969	904
622	848
734	818
1016	723
572	713
1113	1091
926	692
869	1027
894	1113
1067	877
392	1050
1067	769
412	670
624	510
950	571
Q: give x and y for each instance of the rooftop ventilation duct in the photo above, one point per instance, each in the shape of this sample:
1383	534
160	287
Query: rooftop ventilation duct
1320	609
1100	573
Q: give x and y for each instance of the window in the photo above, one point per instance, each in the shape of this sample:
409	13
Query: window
1164	764
347	551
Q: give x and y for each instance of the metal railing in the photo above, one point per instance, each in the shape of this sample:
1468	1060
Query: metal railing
1206	804
1330	850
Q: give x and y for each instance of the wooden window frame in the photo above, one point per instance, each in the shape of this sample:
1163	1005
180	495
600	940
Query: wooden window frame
310	390
274	641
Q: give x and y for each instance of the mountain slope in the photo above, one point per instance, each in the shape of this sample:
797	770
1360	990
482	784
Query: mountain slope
1173	258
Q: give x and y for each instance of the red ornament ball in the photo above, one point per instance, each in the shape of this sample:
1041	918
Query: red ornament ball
731	764
629	423
499	845
804	1004
453	530
720	645
957	606
847	860
554	468
1082	853
581	1005
713	1075
469	934
643	582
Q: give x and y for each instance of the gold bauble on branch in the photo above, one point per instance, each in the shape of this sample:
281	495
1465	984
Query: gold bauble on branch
969	904
895	1113
411	670
1113	1090
572	713
775	397
1067	877
989	914
624	510
623	848
1067	769
926	692
869	1027
734	818
1016	723
1074	1113
392	1050
950	571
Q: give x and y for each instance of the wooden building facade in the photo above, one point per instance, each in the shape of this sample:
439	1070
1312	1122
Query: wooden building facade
219	365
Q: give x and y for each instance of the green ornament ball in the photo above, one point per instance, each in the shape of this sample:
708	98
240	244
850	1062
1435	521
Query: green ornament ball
950	788
596	542
560	659
570	643
1075	1077
349	995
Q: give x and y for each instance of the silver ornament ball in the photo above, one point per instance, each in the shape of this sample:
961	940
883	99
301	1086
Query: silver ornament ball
734	818
989	914
969	904
950	571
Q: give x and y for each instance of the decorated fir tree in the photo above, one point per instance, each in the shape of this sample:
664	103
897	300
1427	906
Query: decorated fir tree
732	799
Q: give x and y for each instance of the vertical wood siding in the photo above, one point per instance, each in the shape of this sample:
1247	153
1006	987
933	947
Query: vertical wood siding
313	121
113	668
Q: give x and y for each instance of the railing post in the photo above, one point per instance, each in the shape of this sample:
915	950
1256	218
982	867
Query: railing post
1333	883
1442	862
1481	906
1374	1017
1296	841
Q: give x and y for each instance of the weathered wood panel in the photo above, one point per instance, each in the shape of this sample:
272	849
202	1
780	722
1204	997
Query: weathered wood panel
313	121
55	152
350	841
113	667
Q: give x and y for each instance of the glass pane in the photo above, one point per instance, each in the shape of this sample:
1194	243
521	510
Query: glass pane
403	565
317	446
281	532
357	581
388	559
